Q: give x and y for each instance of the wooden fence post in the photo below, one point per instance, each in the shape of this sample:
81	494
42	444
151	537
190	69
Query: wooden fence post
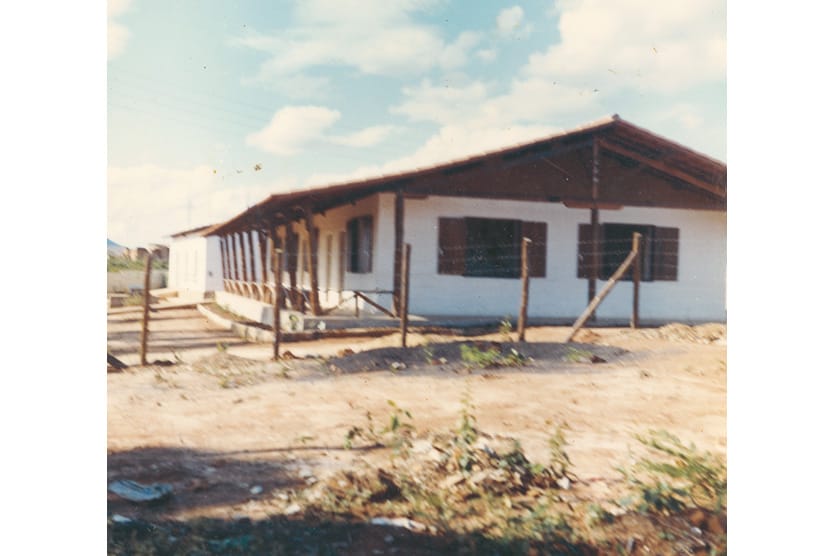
589	310
276	308
404	284
146	313
636	272
525	288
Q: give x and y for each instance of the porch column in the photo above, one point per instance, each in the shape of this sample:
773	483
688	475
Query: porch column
595	231
262	238
243	259
251	234
399	225
223	262
313	261
236	265
292	265
275	244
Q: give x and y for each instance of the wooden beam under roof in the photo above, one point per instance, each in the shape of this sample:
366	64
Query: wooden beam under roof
663	167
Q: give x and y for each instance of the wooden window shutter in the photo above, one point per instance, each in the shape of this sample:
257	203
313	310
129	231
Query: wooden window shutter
665	254
537	231
583	252
451	246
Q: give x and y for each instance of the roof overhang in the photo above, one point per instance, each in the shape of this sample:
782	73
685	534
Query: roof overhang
635	165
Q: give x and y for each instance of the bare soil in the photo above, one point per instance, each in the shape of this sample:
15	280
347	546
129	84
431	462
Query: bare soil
240	437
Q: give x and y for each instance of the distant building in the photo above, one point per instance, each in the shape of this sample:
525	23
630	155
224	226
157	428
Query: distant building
160	252
194	263
137	254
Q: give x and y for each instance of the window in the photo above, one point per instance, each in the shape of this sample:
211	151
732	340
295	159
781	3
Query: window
660	251
489	248
360	244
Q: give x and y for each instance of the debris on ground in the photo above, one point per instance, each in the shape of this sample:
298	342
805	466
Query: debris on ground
137	492
403	522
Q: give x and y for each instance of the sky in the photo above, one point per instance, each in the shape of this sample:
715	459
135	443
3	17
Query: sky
212	105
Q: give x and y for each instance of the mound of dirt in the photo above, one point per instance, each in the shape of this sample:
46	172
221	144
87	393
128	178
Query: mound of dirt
710	333
225	362
449	356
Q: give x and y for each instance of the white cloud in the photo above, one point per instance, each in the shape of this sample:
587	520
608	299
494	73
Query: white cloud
636	44
146	203
487	54
451	142
441	104
298	86
117	34
293	128
456	54
528	101
377	37
367	137
509	23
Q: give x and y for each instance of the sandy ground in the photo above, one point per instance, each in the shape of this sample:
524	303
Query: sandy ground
217	434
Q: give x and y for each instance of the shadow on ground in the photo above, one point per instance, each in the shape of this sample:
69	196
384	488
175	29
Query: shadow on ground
312	535
222	480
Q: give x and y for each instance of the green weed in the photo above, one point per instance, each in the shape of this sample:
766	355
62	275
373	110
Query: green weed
678	476
473	356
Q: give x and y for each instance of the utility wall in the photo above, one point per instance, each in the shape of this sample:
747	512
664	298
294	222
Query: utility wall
126	280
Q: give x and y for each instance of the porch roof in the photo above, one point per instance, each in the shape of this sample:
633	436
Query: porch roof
637	168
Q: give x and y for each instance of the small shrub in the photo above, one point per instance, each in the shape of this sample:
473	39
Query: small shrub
466	433
506	329
578	355
473	356
678	477
559	460
222	347
396	434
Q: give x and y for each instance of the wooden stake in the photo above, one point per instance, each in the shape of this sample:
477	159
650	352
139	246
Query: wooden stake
406	262
525	288
276	307
636	273
586	314
146	313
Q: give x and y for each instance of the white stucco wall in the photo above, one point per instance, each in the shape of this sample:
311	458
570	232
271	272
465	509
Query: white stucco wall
698	294
195	266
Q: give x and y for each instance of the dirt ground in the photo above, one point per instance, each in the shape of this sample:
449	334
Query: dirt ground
233	432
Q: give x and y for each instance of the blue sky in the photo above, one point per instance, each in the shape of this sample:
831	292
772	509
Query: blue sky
199	93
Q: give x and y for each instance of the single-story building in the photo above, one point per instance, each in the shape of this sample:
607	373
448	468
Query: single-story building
194	268
578	195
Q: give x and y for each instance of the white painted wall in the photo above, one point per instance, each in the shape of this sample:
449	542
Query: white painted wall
332	224
194	266
699	293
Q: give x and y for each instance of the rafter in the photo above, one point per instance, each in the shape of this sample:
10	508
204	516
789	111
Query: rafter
663	167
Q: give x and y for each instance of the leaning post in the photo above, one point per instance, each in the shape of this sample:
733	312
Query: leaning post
276	307
636	271
146	312
404	284
525	289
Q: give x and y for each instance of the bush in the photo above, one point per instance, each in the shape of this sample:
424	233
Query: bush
679	476
473	356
